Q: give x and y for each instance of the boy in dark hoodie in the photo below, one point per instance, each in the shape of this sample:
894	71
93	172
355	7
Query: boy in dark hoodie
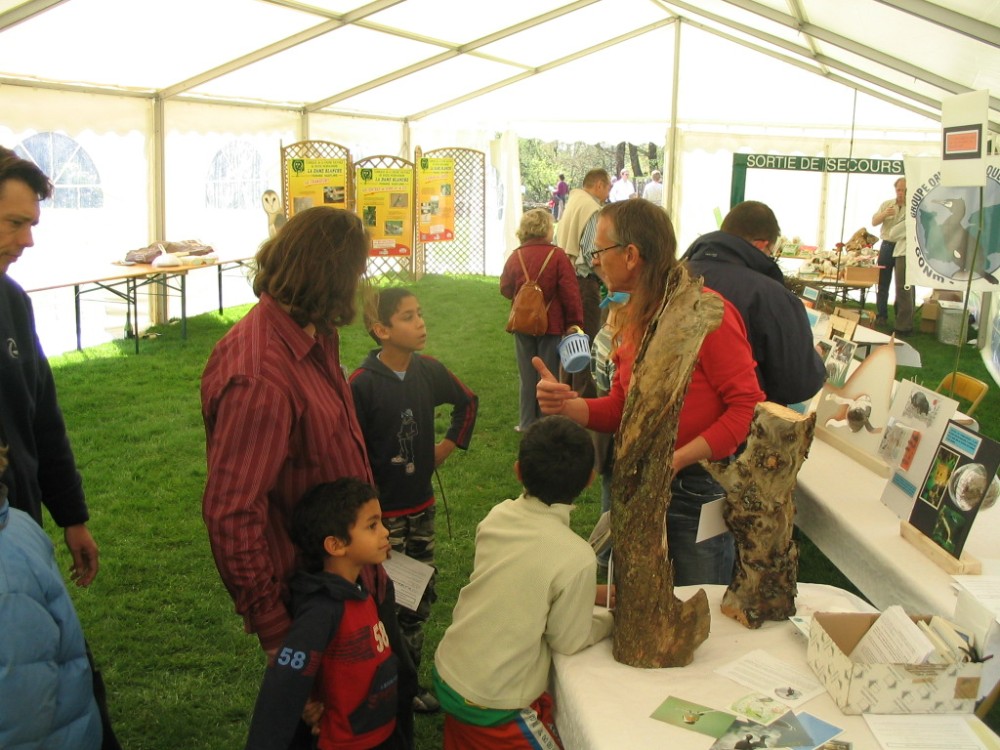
396	391
343	655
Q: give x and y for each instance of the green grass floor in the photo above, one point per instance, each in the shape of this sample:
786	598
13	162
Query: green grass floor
180	671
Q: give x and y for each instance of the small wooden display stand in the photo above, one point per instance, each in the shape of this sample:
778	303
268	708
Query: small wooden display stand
967	565
860	455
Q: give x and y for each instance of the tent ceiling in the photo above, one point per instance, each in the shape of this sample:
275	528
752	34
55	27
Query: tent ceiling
408	59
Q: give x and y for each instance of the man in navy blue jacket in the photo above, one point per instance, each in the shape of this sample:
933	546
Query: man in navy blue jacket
43	470
736	262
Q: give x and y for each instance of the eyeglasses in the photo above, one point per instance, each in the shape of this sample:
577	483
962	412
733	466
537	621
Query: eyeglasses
600	250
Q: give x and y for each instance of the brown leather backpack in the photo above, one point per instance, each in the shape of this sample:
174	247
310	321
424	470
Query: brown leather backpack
529	313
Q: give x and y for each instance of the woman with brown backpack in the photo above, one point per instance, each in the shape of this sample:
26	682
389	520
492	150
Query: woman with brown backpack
539	279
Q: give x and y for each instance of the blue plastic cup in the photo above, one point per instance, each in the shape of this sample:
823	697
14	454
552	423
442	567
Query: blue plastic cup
574	351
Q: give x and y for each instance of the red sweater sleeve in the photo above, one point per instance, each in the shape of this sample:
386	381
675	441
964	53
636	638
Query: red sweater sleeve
720	401
724	391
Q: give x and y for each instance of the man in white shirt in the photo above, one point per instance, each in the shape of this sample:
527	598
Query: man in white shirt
890	214
653	192
575	235
623	189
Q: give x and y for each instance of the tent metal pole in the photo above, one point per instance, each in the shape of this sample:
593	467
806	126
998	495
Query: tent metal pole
158	219
672	143
158	310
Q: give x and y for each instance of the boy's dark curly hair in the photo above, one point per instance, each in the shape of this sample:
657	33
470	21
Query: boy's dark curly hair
328	509
556	458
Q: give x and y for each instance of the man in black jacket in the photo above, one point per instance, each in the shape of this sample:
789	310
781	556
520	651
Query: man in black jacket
42	469
736	262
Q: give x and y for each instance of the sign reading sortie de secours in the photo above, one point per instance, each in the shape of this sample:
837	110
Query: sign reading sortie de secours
952	232
852	165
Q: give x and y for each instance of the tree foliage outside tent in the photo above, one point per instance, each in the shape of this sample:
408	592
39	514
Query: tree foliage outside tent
542	163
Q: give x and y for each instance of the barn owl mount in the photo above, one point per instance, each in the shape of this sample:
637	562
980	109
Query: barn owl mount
275	213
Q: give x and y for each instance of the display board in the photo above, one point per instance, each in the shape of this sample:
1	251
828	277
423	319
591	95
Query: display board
436	192
316	173
953	232
385	204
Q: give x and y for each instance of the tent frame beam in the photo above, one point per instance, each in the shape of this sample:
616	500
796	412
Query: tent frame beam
949	19
824	63
544	68
849	45
27	10
454	51
280	46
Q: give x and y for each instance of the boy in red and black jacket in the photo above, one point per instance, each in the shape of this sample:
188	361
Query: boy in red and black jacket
343	655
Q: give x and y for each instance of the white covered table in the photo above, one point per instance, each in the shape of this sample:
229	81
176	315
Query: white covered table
604	705
838	506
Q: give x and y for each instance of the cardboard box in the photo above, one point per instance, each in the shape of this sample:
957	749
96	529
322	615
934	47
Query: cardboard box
930	310
948	295
928	326
861	317
885	688
866	274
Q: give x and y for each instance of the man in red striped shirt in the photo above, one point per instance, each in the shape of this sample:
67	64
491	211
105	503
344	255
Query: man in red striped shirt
279	416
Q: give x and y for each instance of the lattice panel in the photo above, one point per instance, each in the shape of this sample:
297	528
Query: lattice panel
316	150
391	268
467	252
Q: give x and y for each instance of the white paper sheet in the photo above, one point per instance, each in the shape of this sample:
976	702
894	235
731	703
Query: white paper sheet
924	732
768	675
409	576
710	522
893	639
986	590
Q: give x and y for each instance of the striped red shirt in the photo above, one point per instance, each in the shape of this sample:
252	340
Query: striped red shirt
279	418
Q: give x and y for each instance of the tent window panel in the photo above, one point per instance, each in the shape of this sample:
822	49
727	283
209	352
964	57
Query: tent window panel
69	166
236	177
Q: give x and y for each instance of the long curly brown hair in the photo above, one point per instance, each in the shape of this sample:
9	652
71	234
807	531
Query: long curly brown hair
314	265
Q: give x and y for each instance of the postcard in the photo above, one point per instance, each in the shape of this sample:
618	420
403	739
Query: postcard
693	716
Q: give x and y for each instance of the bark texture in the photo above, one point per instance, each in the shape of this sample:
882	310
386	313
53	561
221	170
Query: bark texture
653	628
760	511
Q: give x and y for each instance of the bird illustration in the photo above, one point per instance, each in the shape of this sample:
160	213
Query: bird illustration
960	244
275	215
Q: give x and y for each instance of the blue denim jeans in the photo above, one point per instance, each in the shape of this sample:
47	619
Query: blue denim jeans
887	263
710	561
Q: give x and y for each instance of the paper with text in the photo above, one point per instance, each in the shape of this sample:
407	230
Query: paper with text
924	732
409	576
766	674
893	639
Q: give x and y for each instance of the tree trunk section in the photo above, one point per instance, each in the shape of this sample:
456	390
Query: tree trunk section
760	512
653	628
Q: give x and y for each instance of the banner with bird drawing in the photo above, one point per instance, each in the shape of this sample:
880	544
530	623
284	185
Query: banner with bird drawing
952	233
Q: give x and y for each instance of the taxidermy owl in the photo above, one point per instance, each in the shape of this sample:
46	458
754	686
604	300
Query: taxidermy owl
275	215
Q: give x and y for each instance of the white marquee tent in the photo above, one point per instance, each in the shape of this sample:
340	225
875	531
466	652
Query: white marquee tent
164	120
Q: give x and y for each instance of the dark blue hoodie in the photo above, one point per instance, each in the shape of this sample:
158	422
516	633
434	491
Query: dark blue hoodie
788	367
